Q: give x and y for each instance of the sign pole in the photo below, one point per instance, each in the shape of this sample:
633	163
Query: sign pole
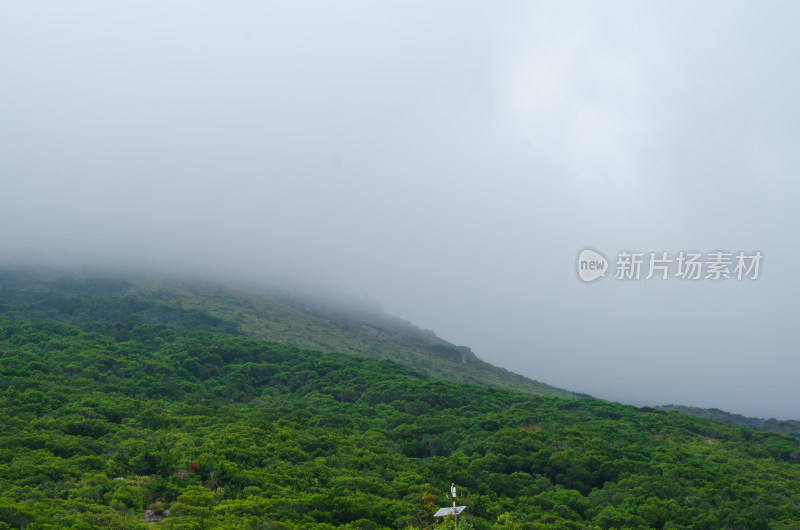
455	510
455	515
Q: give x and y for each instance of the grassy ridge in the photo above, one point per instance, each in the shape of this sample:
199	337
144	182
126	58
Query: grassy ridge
787	427
52	295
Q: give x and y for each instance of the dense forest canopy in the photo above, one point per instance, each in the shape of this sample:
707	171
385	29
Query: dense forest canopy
103	421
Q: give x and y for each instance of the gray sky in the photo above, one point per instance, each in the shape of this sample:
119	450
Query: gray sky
448	160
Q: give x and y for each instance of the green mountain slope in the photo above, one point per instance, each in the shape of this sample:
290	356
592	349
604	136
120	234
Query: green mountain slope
101	421
788	427
258	313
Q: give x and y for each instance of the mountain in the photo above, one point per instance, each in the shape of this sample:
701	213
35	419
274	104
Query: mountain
258	312
787	427
110	425
118	410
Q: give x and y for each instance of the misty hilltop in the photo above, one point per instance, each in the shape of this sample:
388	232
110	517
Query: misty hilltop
128	401
318	322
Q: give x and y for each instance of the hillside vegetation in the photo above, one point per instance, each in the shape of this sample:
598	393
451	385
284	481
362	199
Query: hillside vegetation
255	312
788	427
101	421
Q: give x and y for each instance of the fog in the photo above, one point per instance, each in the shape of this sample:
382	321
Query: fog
448	160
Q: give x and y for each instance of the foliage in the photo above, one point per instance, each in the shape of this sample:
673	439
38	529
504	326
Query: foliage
100	421
27	294
788	427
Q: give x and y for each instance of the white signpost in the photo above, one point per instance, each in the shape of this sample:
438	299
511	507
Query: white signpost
455	510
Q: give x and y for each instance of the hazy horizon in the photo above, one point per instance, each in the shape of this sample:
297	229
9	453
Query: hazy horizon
448	161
